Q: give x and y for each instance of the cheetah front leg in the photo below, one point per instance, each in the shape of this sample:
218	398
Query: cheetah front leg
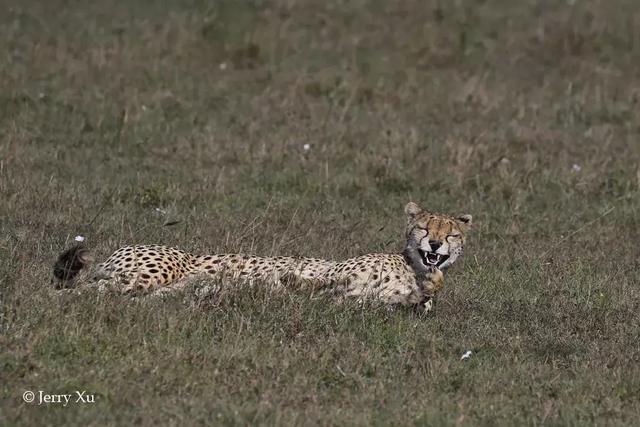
432	283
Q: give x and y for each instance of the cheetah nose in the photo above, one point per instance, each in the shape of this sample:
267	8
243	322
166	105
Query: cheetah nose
434	244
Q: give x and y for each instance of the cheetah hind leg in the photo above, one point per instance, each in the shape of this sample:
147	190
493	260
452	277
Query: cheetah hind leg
125	284
199	286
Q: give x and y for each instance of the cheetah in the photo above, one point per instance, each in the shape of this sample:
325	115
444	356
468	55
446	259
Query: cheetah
411	278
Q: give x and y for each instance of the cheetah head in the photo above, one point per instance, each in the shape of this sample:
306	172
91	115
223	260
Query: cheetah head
434	240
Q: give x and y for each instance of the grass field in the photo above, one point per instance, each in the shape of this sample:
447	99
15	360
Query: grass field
302	128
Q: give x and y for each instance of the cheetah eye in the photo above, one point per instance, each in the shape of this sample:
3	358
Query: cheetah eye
453	236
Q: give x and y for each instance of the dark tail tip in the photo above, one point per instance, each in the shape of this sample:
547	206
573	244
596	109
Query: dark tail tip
70	262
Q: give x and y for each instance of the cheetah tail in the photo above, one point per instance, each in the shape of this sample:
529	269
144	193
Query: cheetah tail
70	262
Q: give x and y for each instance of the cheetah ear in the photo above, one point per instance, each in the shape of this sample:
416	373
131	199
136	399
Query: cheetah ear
465	221
412	209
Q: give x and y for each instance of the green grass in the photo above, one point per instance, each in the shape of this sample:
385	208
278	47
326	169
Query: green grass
109	110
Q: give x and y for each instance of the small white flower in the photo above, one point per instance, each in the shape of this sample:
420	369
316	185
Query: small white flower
466	355
223	66
576	168
306	147
79	238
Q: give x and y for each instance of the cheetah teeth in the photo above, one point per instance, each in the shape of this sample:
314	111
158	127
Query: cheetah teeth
432	259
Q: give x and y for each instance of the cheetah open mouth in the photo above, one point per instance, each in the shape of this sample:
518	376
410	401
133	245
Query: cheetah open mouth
432	258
